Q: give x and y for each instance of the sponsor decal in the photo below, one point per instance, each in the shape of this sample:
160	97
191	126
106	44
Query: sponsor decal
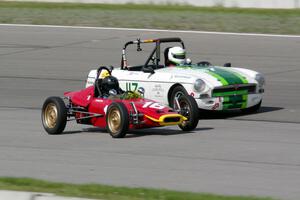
182	76
158	90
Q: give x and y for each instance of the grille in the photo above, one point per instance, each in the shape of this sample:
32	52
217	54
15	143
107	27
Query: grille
234	90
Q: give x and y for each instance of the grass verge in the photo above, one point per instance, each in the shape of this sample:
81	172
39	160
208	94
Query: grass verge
277	21
97	191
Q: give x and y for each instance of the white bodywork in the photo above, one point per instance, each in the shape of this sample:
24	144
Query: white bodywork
158	86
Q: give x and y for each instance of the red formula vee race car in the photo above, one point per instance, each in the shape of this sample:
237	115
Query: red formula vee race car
105	105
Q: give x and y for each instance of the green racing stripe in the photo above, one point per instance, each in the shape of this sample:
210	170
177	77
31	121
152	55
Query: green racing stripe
222	94
231	99
241	77
217	76
226	77
233	102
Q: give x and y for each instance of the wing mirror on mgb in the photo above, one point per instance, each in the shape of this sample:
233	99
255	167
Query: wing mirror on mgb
227	65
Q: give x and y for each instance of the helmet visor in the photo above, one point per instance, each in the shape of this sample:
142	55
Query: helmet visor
179	56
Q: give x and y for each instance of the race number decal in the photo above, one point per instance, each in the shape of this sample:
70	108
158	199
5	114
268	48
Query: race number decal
217	105
153	105
88	97
131	86
105	109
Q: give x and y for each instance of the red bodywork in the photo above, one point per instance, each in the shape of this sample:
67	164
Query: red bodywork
152	114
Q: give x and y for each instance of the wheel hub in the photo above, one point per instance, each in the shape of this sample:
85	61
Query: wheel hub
50	115
114	121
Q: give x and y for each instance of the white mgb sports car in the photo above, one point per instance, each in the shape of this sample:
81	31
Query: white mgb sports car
213	87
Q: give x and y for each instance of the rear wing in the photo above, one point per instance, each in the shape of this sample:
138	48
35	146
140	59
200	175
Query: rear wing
156	50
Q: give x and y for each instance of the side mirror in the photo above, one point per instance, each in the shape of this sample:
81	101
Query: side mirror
227	65
148	70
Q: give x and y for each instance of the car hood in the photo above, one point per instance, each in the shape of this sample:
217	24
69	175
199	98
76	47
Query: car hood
215	75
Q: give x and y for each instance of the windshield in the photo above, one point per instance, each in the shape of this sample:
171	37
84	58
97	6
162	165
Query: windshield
193	66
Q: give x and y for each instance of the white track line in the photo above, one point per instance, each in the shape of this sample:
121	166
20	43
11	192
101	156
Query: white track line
153	30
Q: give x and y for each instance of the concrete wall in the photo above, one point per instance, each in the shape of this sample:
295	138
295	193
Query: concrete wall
225	3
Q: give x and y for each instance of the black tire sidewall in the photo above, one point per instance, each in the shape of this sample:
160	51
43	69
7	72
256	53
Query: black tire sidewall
61	115
194	114
177	89
124	120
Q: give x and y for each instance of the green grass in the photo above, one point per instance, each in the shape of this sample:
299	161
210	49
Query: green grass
278	21
97	191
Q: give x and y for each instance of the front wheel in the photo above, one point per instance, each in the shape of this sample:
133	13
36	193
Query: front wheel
117	120
54	115
177	92
189	109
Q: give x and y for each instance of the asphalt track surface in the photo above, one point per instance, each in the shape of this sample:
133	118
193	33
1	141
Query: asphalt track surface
235	154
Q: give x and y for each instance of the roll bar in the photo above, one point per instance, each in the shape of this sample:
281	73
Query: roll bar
156	49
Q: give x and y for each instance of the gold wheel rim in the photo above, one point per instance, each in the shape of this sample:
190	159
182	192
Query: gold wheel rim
114	120
50	115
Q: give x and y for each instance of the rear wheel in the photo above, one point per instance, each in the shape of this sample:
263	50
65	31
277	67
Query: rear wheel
189	109
54	115
117	120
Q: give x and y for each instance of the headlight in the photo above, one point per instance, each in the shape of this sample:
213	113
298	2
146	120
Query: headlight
260	80
199	85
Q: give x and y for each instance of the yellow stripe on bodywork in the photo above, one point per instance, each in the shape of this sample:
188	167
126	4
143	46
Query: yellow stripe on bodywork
163	117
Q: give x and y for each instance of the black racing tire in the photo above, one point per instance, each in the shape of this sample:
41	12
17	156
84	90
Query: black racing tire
54	115
177	92
253	109
189	109
117	120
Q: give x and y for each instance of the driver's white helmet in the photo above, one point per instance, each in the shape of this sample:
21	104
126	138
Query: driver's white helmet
176	55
